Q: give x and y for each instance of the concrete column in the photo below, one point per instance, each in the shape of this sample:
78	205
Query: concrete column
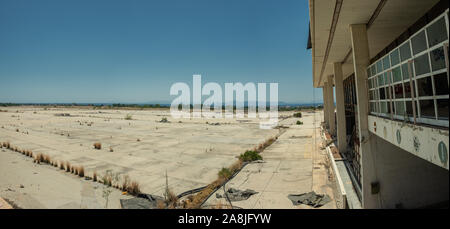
325	104
340	108
331	116
360	47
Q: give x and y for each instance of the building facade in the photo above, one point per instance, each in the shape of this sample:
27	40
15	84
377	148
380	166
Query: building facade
383	66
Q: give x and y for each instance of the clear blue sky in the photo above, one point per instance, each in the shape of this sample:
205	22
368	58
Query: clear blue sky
133	51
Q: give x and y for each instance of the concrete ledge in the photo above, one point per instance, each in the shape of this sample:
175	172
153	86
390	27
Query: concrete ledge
337	176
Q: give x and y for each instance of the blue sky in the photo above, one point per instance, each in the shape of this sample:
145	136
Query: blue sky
133	51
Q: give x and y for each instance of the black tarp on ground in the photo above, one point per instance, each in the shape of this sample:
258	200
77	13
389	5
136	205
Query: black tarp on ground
310	198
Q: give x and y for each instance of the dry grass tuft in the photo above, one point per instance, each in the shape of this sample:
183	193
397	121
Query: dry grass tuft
225	173
134	188
97	145
81	171
46	159
125	183
39	158
107	179
68	167
160	204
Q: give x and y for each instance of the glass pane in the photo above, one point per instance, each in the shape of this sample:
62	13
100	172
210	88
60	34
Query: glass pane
395	59
424	86
380	80
386	63
386	78
441	84
437	57
405	51
372	107
442	106
409	109
405	71
368	73
382	93
379	66
419	43
373	70
408	89
400	108
398	91
427	109
383	107
396	74
421	64
437	32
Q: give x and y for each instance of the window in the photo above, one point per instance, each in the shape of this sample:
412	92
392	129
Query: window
382	93
421	65
373	70
398	91
441	84
425	87
437	32
408	89
380	80
400	108
395	59
426	109
386	63
414	76
396	75
386	78
405	71
419	43
405	51
442	106
409	108
437	57
379	66
383	108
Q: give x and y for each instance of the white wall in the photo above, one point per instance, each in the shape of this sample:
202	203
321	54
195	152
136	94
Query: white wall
406	179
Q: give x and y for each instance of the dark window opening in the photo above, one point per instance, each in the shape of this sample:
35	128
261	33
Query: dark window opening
437	57
425	87
427	109
398	91
442	106
441	84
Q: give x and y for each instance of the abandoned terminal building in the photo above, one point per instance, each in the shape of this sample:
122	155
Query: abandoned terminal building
383	67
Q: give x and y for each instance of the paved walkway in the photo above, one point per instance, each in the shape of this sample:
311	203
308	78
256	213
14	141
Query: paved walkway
293	165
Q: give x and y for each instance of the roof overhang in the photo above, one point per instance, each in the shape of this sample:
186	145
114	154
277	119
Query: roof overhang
330	29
